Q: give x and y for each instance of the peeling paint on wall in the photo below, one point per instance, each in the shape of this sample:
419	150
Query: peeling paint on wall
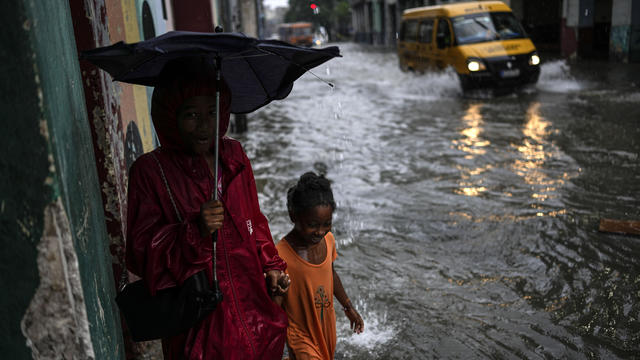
102	97
619	43
56	324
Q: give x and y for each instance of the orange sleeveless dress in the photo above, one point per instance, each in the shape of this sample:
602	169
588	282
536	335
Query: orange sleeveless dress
309	303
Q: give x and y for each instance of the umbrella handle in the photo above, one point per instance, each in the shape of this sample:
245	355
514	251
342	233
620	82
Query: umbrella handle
217	145
214	238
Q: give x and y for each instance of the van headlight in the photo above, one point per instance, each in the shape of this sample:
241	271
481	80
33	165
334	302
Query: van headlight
534	59
475	65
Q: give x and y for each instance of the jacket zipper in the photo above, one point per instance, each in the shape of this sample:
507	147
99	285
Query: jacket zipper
235	302
233	288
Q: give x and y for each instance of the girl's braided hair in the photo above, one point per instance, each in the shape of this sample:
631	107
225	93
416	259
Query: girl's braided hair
310	191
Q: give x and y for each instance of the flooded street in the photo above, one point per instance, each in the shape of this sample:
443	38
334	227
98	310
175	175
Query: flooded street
467	226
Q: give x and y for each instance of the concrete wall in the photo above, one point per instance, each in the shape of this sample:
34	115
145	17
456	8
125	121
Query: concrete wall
249	17
601	29
56	268
586	11
634	42
569	28
625	31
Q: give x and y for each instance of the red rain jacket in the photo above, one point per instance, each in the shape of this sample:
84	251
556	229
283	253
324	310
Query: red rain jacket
164	251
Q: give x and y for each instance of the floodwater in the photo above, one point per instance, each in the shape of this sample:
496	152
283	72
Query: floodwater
467	227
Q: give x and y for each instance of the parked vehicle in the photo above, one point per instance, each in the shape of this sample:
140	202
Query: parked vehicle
483	41
299	33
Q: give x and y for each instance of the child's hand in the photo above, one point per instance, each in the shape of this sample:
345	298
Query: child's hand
357	324
277	282
211	217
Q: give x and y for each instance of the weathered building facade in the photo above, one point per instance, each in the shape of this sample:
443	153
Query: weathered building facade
70	135
604	29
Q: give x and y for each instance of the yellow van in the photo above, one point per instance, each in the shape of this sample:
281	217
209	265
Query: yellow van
481	40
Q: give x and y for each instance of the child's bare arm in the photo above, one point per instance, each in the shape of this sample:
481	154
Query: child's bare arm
357	324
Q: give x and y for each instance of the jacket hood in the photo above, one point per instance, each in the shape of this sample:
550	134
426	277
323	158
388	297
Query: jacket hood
182	81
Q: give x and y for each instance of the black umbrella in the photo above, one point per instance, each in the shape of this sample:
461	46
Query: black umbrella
256	71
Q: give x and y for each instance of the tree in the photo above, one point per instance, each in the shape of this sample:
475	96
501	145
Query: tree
342	14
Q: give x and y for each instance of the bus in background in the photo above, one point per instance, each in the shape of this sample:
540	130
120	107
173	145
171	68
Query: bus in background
298	33
482	41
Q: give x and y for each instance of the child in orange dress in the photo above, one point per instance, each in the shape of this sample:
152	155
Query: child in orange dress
309	250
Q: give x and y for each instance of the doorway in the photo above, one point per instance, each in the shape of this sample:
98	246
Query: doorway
542	21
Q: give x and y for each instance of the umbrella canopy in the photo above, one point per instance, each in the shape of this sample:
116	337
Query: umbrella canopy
257	71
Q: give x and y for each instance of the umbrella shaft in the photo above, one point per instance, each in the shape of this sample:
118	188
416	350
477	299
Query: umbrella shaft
217	144
215	161
216	151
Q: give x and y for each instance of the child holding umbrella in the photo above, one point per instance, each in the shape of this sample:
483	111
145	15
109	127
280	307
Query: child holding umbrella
171	218
309	250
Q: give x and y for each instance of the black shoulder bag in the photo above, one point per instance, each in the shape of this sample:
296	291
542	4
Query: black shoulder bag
171	311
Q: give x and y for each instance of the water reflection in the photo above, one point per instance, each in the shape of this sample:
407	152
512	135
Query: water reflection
473	145
535	165
534	153
471	142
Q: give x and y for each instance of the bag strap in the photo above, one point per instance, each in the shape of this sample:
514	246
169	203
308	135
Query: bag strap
124	277
166	184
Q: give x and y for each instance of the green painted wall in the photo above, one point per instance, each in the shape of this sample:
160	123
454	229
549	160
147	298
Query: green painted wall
22	189
41	80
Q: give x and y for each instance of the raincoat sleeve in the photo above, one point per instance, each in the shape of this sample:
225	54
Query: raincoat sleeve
269	258
161	250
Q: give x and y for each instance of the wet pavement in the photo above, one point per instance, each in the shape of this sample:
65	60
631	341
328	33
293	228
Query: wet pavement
467	225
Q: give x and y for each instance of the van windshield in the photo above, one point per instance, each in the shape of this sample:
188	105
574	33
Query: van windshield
484	27
299	31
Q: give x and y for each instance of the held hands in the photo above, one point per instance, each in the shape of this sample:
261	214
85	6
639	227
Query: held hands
211	217
277	282
357	324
